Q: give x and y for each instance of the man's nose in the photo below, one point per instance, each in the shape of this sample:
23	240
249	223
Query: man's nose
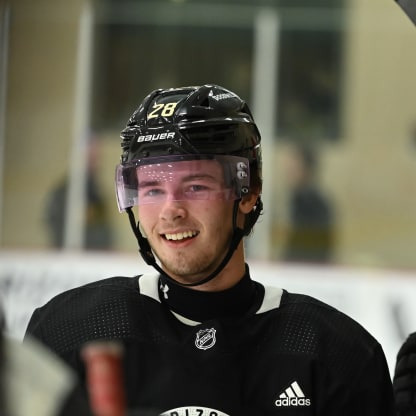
172	208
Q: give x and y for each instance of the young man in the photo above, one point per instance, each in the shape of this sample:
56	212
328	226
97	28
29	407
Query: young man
199	336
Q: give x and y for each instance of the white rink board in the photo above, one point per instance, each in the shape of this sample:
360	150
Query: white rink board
383	301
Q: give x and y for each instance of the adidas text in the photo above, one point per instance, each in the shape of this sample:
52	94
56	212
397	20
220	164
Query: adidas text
292	401
292	396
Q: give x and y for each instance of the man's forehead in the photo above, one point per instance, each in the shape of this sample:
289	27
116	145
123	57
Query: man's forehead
187	167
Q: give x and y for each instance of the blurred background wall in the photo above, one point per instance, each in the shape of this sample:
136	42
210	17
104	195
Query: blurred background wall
336	77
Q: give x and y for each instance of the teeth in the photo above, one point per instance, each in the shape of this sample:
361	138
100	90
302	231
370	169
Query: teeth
180	236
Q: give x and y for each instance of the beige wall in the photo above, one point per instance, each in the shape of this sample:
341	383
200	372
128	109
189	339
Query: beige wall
39	119
371	172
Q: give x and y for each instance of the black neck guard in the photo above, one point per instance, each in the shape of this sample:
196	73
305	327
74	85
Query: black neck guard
200	305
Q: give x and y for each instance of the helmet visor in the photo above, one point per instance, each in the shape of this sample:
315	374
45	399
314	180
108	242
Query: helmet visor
181	178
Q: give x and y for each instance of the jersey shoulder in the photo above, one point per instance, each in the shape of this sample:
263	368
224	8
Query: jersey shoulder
326	328
89	294
98	310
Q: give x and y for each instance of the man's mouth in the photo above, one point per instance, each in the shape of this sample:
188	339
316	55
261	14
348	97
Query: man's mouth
181	236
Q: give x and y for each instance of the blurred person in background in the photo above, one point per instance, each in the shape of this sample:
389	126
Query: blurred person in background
404	379
98	233
311	234
199	336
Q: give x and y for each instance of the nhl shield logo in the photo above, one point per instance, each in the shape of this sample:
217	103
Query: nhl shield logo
205	338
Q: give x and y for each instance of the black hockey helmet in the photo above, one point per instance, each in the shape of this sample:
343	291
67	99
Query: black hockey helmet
192	120
198	122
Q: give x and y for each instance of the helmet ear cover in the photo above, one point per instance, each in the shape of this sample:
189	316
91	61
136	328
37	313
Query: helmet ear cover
255	186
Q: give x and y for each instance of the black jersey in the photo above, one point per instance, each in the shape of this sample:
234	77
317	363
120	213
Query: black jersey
250	350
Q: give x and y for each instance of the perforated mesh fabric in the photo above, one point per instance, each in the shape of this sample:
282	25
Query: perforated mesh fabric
310	327
81	316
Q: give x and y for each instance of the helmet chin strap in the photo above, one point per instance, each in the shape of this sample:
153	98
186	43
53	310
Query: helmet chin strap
148	256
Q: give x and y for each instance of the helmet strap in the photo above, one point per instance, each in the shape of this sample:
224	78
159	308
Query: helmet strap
144	247
146	251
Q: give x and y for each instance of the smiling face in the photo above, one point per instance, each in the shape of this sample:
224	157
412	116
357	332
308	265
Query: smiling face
186	214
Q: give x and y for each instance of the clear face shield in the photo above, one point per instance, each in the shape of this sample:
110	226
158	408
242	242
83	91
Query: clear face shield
156	180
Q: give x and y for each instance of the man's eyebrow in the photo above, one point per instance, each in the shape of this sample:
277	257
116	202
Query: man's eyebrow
146	184
195	176
188	178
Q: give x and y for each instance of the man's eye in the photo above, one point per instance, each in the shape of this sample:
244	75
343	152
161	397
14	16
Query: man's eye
151	192
154	192
198	188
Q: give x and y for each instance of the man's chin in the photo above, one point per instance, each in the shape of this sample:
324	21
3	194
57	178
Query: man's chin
186	275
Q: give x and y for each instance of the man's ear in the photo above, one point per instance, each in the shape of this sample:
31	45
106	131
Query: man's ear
248	201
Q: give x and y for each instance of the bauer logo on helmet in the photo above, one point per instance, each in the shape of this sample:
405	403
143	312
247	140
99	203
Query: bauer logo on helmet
155	137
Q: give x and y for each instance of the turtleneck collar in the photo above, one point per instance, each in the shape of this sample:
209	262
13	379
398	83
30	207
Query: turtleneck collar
200	306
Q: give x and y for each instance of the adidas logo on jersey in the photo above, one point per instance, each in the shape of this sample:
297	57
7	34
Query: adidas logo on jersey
292	396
